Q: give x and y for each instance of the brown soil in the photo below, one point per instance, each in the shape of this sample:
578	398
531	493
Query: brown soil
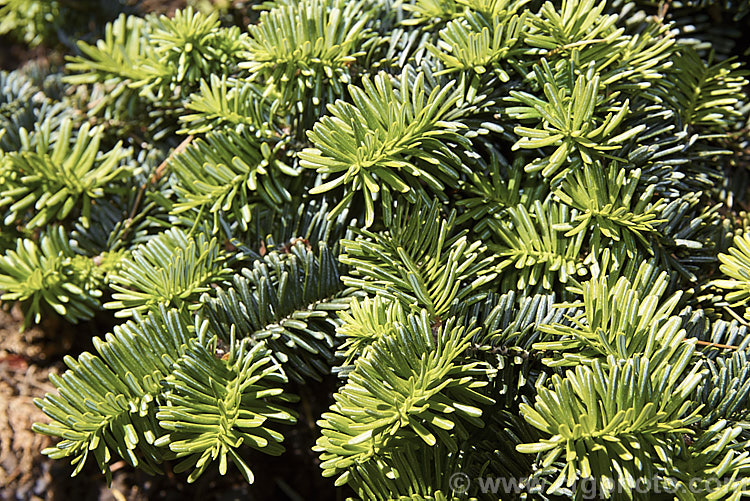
24	375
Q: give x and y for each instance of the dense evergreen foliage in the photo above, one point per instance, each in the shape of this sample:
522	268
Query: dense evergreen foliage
513	229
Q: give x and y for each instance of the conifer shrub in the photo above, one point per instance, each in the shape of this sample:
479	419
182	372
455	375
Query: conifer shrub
513	232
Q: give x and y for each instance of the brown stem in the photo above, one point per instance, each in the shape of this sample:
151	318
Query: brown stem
158	173
717	345
663	8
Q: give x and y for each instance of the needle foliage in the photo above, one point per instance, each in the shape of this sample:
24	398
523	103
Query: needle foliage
509	233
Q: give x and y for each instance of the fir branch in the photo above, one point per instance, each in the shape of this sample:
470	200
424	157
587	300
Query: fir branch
56	181
288	300
387	140
420	262
399	392
171	269
50	275
613	424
